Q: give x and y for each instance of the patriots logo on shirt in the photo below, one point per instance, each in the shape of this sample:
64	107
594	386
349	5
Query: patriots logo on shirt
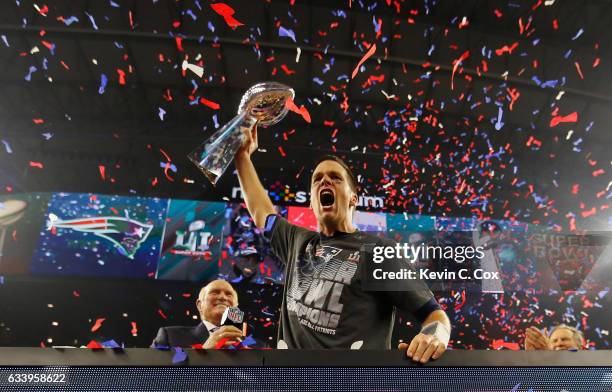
327	252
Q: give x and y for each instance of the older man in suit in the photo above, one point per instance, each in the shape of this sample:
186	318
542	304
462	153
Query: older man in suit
212	301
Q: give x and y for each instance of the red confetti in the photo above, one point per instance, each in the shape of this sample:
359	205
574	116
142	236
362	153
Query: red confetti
596	62
227	13
221	343
498	343
121	76
93	344
38	121
97	325
456	64
134	328
586	214
599	172
287	70
514	95
47	44
368	54
102	171
131	17
76	293
210	104
506	49
162	314
166	169
36	164
179	43
579	70
302	111
43	11
572	117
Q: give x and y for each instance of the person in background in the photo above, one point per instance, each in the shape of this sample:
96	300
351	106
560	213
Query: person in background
561	337
212	301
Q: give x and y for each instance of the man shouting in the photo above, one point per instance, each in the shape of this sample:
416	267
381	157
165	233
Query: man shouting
324	304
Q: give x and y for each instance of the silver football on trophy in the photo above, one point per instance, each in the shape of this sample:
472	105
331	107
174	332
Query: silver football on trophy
266	102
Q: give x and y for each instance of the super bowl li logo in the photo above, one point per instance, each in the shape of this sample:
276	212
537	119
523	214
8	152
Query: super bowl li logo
126	234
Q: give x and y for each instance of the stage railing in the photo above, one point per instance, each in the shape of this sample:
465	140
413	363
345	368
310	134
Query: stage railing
79	370
31	356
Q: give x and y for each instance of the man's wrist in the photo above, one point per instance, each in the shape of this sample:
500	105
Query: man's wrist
242	156
437	329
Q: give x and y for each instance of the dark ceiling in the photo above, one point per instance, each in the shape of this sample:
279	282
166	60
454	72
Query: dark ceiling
427	147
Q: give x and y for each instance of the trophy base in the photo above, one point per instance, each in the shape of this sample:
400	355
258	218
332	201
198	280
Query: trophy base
212	177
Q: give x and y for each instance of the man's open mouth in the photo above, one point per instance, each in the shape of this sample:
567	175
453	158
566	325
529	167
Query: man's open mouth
327	197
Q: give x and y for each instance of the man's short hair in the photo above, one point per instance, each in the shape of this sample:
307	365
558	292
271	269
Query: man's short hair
576	334
351	177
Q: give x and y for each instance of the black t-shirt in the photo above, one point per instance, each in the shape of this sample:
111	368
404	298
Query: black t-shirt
324	304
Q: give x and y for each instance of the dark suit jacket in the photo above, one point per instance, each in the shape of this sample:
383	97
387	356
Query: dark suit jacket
181	336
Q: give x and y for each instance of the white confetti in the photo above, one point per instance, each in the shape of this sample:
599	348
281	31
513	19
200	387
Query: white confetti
297	56
196	69
387	95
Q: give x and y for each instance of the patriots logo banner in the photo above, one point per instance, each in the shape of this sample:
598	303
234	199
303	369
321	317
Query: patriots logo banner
125	233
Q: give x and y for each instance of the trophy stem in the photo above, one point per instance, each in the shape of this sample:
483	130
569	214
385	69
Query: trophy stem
215	155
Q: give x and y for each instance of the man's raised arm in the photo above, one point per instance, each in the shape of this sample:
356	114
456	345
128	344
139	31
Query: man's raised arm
256	197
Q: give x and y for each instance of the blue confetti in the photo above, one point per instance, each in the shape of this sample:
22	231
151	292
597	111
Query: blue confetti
283	32
5	41
162	113
32	69
190	13
179	355
110	344
92	20
103	81
431	49
113	4
71	20
248	341
163	166
1	279
578	34
499	124
7	146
